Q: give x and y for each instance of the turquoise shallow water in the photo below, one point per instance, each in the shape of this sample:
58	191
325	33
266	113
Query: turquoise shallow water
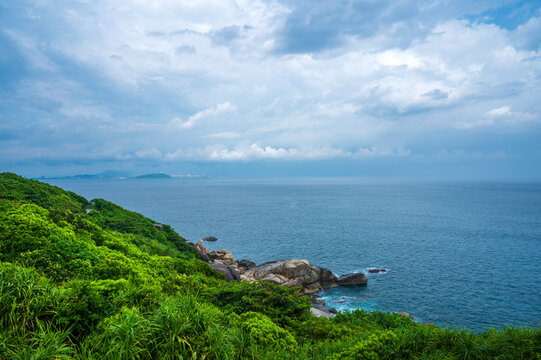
457	254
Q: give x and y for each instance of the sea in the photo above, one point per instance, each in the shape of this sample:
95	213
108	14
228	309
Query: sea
456	253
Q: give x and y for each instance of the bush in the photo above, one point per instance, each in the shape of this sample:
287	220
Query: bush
316	329
280	303
367	349
125	335
266	333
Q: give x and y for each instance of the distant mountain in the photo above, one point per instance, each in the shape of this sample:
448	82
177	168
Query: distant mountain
154	176
113	174
108	174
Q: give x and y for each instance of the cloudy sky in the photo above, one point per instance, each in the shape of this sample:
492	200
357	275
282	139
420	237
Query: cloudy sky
436	88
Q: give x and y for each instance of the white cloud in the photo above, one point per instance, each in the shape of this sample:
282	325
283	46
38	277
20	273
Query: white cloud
197	117
501	111
257	152
254	151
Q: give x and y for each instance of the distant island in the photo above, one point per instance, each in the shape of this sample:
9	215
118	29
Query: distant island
154	176
111	174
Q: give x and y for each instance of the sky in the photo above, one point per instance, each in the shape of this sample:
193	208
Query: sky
412	89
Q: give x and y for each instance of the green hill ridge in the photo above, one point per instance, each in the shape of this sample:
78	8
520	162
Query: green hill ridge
84	279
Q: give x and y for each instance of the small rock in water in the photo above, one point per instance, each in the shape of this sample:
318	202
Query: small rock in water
375	271
353	279
210	238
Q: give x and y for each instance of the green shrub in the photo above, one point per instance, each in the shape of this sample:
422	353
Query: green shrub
280	303
111	216
266	333
368	349
25	298
14	187
125	335
375	319
320	328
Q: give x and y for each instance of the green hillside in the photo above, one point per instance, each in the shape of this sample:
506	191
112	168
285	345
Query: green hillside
86	279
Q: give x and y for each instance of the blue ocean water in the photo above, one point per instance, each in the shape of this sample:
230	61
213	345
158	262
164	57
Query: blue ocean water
464	254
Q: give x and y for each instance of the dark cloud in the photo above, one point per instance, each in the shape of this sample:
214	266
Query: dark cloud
225	35
320	25
315	26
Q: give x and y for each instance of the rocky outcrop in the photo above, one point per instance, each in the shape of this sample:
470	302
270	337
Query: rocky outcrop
157	226
296	272
246	264
352	279
225	257
301	273
320	310
202	251
229	271
321	313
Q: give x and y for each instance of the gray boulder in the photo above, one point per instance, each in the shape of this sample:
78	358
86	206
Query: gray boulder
327	278
352	279
321	313
286	272
202	251
301	273
230	273
247	264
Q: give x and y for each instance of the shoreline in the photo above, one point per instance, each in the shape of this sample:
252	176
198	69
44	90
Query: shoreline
286	272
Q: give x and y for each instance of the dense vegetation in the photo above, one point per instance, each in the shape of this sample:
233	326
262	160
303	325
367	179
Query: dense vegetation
86	279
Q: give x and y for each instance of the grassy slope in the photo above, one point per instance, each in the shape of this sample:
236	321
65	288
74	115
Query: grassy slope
91	280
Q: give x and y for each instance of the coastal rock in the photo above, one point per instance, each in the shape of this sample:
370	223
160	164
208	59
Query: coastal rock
375	271
229	271
225	257
405	314
159	226
210	238
352	279
294	272
299	272
287	272
321	313
203	252
327	278
312	288
246	264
